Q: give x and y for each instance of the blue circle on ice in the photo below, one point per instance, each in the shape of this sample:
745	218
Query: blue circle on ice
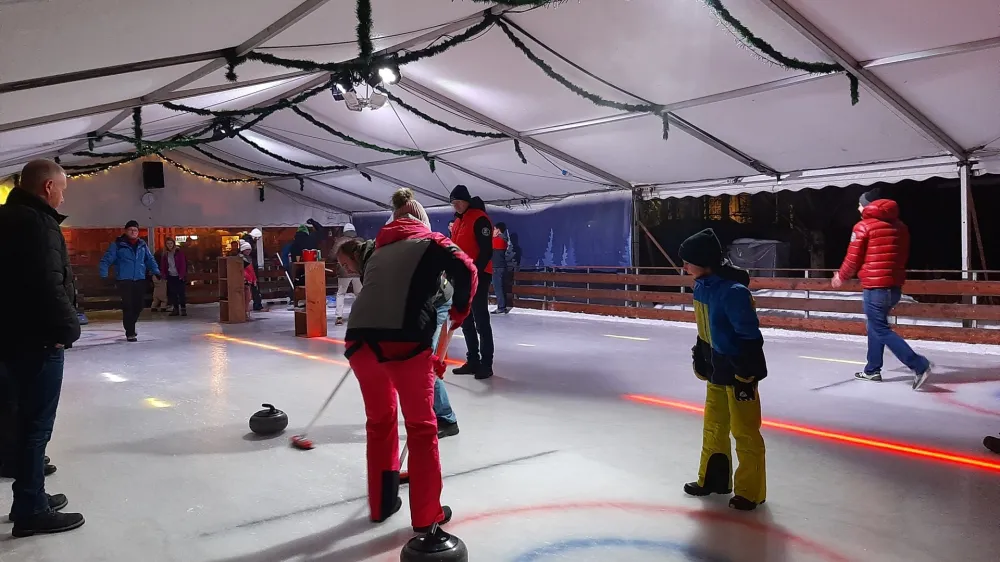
562	548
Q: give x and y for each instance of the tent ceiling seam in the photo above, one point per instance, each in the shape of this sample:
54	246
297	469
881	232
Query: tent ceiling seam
283	23
875	85
421	90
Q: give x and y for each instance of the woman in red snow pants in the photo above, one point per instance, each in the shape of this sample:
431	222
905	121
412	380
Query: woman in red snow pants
389	339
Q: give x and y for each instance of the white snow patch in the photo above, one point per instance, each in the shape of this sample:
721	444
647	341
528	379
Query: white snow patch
767	332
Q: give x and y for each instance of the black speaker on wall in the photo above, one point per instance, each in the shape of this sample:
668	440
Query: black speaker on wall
152	175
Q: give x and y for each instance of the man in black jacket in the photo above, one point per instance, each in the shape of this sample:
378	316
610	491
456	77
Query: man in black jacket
37	328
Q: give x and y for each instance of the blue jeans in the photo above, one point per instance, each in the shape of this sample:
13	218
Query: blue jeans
498	275
442	406
37	376
878	303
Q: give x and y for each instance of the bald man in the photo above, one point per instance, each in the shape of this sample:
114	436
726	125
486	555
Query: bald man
39	323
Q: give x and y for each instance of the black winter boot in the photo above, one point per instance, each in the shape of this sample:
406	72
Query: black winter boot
742	504
175	312
716	478
467	369
56	503
446	429
992	443
47	523
390	497
447	518
184	311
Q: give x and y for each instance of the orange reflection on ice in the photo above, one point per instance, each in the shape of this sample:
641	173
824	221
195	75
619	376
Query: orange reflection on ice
829	435
284	350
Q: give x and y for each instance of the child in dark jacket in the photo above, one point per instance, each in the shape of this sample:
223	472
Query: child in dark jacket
729	356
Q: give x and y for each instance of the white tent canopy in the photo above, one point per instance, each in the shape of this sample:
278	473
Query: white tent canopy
929	100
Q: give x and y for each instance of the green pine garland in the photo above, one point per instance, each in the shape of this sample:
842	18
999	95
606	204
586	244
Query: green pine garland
281	158
520	153
137	127
653	109
777	56
365	46
242	168
434	50
399	152
184	168
467	132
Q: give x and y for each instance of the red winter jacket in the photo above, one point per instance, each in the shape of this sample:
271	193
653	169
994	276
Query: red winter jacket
880	247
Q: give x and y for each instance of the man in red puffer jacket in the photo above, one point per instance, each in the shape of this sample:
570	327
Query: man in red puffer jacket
880	247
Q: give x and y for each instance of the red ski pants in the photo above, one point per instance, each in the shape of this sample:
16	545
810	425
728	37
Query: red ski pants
412	380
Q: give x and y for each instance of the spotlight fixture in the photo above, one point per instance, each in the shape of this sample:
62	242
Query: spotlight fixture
382	72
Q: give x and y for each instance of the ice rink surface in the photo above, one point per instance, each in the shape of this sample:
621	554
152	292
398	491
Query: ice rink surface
576	450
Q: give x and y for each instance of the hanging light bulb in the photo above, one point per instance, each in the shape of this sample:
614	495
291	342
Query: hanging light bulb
388	75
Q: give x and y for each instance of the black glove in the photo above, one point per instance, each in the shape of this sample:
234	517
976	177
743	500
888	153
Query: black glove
701	363
745	391
698	363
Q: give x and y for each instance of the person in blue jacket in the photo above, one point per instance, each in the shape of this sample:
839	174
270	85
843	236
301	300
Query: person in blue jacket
132	259
729	356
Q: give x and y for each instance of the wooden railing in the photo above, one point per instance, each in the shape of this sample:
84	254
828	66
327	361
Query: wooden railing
94	293
814	305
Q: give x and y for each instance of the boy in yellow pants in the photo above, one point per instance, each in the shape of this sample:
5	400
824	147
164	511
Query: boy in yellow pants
729	356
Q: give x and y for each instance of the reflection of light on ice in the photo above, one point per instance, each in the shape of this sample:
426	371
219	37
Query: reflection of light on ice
157	403
111	377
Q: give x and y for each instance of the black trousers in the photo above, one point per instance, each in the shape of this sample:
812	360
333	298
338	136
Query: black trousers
133	299
8	416
477	329
176	292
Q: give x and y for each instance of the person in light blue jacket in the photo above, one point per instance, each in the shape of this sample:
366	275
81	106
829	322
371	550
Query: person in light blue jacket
131	258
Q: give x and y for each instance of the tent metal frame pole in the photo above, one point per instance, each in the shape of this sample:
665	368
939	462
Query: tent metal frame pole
874	84
343	161
136	102
481	177
965	189
430	36
268	33
332	187
415	87
106	71
691	129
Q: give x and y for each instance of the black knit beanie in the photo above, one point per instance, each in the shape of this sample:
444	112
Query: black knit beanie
130	224
461	193
869	196
702	249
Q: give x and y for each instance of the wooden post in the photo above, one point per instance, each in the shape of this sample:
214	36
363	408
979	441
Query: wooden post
311	321
232	298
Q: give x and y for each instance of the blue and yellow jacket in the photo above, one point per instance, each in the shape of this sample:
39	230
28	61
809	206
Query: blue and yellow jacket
730	345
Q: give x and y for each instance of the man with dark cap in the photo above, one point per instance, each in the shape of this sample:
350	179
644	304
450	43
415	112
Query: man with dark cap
879	250
472	231
37	328
131	257
728	355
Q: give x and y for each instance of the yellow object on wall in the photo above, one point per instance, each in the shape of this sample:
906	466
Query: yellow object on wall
5	190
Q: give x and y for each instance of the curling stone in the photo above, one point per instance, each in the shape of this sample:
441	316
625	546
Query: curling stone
268	422
436	546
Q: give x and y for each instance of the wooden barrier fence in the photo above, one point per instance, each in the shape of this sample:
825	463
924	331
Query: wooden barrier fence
634	295
94	293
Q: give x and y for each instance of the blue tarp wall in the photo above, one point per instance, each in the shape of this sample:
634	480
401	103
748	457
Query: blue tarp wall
586	230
